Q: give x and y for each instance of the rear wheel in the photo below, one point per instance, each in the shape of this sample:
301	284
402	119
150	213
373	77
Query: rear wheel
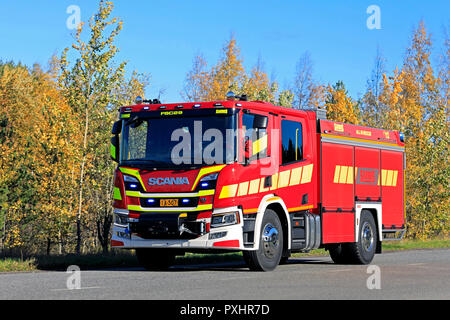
363	251
268	256
155	259
339	253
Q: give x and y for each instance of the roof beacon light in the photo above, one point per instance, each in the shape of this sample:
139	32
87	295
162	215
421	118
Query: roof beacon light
231	96
139	100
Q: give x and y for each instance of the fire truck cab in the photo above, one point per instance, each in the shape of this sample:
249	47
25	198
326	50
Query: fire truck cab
253	177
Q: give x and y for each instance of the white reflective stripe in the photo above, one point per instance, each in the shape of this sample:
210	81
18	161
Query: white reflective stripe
368	205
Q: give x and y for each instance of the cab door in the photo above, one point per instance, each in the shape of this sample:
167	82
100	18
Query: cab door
295	181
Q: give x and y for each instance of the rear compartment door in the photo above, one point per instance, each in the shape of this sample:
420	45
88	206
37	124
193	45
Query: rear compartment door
338	196
367	168
392	189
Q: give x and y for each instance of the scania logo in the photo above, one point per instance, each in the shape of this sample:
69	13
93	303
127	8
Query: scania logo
163	181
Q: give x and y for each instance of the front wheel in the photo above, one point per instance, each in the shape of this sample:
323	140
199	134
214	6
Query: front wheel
268	256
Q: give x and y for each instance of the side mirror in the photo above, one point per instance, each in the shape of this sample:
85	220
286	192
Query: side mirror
260	122
117	128
115	148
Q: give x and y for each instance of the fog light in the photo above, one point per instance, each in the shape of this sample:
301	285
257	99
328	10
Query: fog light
217	235
224	219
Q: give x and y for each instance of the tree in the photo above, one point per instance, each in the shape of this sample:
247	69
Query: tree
286	98
94	86
372	111
227	75
196	79
340	107
417	104
303	82
257	86
37	139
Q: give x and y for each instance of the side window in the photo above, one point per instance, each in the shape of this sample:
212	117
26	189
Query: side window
255	139
137	140
291	141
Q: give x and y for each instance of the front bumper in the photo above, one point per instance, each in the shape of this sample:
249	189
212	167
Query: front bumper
223	238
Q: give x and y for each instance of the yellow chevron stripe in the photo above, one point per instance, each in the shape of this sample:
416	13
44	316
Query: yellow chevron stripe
228	191
205	171
117	195
282	179
243	189
254	186
307	173
133	173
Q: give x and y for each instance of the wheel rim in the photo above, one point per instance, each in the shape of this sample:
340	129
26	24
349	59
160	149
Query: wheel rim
367	237
270	240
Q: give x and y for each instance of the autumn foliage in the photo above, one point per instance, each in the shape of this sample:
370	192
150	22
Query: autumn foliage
55	171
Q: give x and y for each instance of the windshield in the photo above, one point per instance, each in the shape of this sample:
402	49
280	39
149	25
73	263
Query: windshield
179	141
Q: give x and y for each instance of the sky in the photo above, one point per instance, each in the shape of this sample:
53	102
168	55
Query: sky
162	37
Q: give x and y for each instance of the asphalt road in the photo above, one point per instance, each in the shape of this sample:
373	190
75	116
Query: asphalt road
416	274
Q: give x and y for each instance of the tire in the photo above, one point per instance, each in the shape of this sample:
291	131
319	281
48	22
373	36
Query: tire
284	260
268	256
339	253
155	259
363	251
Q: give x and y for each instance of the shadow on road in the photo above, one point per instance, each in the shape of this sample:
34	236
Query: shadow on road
232	266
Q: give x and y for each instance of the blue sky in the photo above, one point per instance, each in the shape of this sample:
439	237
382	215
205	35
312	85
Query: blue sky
162	37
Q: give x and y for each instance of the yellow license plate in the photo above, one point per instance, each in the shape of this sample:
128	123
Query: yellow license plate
169	203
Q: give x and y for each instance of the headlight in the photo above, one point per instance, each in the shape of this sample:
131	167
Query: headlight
131	183
210	177
121	219
224	219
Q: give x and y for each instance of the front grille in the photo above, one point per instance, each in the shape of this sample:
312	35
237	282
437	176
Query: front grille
165	226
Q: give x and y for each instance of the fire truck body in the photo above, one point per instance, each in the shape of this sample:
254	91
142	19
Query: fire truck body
285	181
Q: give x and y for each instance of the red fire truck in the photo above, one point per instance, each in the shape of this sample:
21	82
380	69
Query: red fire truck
249	176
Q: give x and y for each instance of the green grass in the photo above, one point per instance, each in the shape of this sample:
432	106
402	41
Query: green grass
127	259
415	244
17	265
